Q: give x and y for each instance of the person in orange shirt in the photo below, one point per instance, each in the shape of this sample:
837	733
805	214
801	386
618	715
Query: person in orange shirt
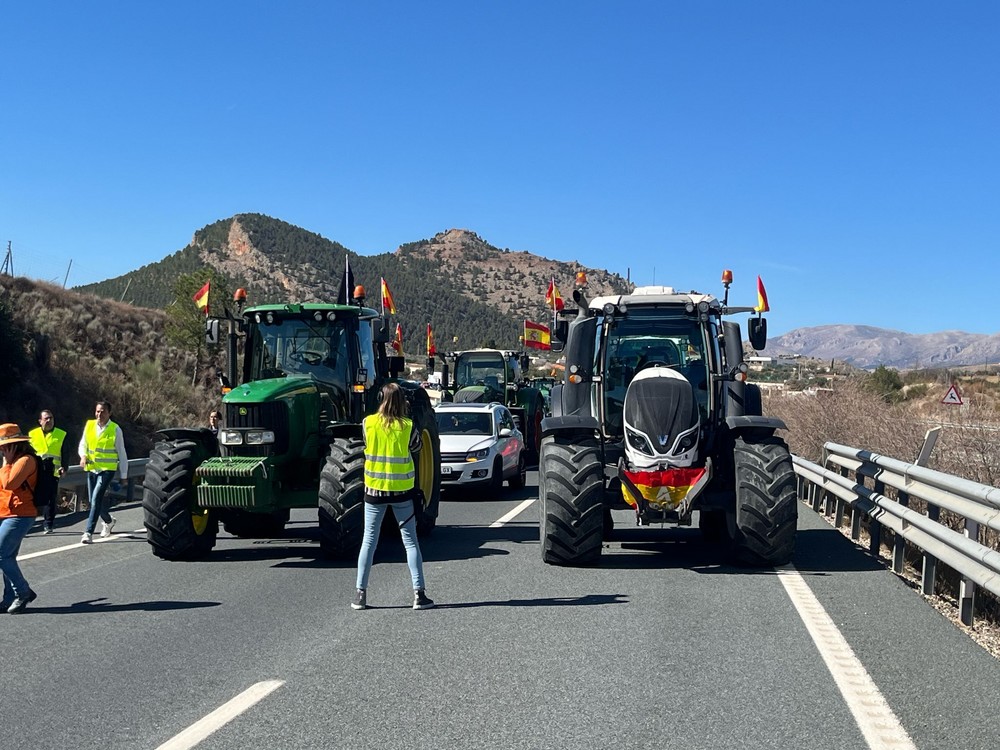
18	479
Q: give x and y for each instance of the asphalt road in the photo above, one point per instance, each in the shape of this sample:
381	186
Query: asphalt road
662	646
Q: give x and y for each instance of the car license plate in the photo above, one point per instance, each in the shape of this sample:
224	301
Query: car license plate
446	470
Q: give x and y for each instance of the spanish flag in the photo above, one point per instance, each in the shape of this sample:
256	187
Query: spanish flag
387	303
201	298
552	298
536	336
431	349
661	489
762	305
397	343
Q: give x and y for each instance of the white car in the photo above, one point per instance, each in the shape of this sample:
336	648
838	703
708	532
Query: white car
480	446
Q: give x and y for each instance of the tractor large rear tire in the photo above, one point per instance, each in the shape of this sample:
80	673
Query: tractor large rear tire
342	499
767	506
571	500
427	464
175	527
533	437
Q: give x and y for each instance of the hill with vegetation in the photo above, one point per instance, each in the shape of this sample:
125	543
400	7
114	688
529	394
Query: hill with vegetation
470	292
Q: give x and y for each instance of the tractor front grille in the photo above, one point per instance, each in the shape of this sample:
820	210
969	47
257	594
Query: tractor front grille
270	415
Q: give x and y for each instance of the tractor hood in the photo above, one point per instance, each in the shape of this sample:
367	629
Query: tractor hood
661	420
272	389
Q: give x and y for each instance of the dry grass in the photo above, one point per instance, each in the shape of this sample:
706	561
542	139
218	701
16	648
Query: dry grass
80	348
968	446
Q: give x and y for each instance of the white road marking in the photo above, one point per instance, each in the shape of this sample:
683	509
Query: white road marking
877	722
221	716
77	545
513	514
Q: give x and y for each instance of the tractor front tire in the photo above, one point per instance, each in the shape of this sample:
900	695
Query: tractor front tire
175	527
571	500
767	506
342	499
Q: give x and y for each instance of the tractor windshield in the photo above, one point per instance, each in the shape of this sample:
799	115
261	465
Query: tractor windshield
294	346
649	339
487	368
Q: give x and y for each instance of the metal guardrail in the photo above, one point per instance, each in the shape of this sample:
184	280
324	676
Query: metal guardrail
977	504
75	481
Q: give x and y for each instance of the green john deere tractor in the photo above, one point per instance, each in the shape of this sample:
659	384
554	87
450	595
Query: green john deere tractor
487	375
291	434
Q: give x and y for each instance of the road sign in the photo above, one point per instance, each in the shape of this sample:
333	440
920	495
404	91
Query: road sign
952	397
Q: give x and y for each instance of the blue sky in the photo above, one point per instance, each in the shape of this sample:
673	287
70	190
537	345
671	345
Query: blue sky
847	152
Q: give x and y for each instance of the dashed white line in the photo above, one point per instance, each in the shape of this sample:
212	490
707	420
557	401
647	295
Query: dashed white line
221	716
513	514
877	722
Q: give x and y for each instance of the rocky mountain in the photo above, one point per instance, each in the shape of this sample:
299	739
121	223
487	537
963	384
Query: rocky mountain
869	347
456	281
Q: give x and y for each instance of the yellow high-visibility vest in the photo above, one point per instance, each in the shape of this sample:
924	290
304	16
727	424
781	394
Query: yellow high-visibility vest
48	444
388	464
101	453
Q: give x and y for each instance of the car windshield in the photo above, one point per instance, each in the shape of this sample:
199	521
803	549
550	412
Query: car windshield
464	423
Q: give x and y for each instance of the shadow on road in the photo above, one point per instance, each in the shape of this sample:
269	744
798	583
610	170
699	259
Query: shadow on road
817	552
101	605
588	600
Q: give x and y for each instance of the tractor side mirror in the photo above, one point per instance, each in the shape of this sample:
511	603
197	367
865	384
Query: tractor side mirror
560	331
212	331
757	332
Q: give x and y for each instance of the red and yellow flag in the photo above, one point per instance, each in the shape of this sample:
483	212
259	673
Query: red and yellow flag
536	336
387	303
661	488
431	349
552	298
201	298
397	343
762	305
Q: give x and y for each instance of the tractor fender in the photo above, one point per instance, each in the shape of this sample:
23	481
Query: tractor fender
200	435
770	424
345	430
569	424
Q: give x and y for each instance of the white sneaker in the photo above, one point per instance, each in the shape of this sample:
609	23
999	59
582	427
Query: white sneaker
87	538
106	527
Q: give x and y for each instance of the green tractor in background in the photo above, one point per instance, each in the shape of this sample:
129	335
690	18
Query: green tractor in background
291	434
488	375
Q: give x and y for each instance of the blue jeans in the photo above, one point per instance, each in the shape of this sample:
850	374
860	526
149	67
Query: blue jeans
97	485
12	531
373	525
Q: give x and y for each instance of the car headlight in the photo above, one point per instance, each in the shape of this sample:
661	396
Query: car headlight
264	437
230	437
477	455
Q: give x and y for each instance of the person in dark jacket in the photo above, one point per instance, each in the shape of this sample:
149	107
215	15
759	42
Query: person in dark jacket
390	442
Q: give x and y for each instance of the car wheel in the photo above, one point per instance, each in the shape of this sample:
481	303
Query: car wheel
517	481
496	479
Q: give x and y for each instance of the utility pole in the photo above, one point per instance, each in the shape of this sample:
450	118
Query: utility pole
8	262
66	277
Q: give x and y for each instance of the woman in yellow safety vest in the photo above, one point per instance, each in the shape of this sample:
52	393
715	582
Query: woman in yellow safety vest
390	442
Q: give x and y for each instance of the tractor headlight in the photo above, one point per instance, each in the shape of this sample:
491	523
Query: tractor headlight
477	455
638	442
263	437
230	437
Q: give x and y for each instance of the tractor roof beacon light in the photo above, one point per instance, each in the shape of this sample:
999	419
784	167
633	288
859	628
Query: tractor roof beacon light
727	279
240	298
581	279
359	295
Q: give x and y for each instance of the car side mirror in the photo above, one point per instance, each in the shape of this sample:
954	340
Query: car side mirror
506	432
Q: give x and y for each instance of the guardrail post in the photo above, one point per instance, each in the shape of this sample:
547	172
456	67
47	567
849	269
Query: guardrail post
928	573
966	588
874	527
